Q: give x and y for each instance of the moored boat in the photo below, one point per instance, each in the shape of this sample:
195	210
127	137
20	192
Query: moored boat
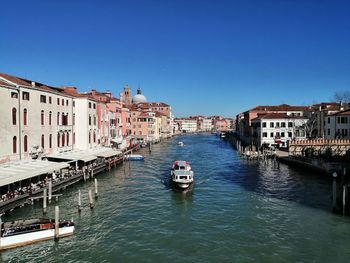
134	157
180	144
182	174
25	232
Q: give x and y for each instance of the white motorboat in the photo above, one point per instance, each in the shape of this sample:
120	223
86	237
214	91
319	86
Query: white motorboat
182	174
180	144
134	157
24	232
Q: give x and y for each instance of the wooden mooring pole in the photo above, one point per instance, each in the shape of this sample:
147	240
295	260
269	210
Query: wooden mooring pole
57	222
79	201
44	200
91	201
334	191
50	190
344	198
96	189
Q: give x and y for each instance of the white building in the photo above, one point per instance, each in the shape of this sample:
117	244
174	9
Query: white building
277	129
187	125
207	124
36	119
337	126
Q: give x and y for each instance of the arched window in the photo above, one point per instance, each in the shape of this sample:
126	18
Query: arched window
25	117
63	139
43	141
90	137
66	119
14	144
25	143
67	138
50	117
14	116
58	118
73	137
89	119
42	118
94	137
50	141
73	119
63	122
58	139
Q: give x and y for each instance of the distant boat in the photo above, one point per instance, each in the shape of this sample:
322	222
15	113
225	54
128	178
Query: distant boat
24	232
180	144
223	135
182	174
135	157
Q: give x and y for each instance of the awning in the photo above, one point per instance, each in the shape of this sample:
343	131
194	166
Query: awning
21	170
108	154
75	155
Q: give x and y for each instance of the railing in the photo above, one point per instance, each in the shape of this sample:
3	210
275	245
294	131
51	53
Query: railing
65	148
65	128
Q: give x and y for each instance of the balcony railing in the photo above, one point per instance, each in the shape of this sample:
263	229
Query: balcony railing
64	128
65	148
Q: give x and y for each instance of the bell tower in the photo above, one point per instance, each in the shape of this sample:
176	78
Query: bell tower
126	95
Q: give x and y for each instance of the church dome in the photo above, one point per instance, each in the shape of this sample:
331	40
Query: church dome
139	98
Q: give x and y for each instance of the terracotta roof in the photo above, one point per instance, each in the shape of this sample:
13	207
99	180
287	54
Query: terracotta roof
277	116
283	107
2	82
152	104
343	112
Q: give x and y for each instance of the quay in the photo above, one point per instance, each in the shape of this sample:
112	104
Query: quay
22	182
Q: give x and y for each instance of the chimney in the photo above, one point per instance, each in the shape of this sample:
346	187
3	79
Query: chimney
33	84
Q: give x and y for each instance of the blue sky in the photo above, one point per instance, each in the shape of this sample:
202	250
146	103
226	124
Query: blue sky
202	57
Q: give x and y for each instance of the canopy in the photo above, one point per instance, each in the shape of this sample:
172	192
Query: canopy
21	170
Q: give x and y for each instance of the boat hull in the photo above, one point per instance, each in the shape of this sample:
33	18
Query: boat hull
33	237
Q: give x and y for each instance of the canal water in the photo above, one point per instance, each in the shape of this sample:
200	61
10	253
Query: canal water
237	211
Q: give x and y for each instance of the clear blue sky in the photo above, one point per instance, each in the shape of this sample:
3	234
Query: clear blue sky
202	57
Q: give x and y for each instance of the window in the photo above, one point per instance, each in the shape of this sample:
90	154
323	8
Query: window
264	134
62	102
67	138
43	141
328	120
283	124
42	98
25	117
89	137
329	131
73	103
271	134
50	141
89	119
58	101
25	95
25	143
277	124
50	100
290	124
94	137
14	144
94	105
66	102
282	135
73	137
63	139
290	134
271	124
14	95
58	118
94	120
338	120
50	118
264	124
73	121
278	135
42	118
89	105
14	116
58	140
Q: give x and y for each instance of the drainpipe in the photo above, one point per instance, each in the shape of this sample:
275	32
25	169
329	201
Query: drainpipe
19	125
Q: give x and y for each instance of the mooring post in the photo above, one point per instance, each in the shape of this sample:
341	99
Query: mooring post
79	201
84	173
91	201
92	173
334	191
57	222
344	199
96	190
50	190
150	146
44	200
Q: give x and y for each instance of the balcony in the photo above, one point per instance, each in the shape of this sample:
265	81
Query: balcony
64	128
65	149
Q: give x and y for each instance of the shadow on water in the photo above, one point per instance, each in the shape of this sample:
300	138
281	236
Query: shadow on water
281	182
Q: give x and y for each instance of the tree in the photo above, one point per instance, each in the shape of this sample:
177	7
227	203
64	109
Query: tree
342	96
309	125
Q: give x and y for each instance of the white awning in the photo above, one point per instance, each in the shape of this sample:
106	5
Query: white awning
108	154
20	170
86	155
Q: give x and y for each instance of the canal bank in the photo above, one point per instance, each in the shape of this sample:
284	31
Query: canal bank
237	211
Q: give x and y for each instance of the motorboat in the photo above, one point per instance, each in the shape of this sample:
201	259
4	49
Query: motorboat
180	144
28	231
135	157
223	135
182	174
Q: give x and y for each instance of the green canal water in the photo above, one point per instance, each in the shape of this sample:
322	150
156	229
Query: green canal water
237	211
